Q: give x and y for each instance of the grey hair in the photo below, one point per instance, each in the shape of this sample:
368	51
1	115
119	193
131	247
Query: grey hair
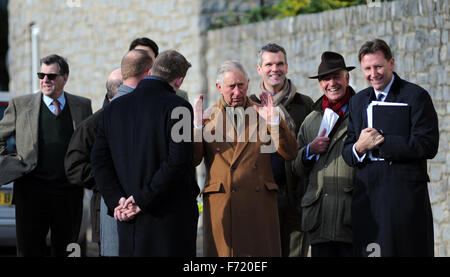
228	66
273	48
112	85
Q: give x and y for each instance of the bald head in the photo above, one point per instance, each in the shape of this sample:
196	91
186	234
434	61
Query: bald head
113	83
136	63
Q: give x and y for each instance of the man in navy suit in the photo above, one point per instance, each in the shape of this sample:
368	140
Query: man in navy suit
391	211
146	175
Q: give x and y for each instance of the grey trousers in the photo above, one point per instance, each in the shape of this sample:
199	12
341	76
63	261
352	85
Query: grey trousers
109	238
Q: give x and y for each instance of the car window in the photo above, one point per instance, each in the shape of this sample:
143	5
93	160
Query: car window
3	106
11	142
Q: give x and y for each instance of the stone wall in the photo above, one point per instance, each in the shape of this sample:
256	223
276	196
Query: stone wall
94	35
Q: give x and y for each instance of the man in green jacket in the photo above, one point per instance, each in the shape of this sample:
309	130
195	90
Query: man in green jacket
327	201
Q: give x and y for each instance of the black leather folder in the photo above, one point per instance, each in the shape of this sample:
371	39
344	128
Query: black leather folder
392	120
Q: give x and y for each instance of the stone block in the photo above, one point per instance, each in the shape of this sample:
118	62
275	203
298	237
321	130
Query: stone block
444	37
438	213
434	37
443	57
437	191
441	251
446	233
446	97
431	56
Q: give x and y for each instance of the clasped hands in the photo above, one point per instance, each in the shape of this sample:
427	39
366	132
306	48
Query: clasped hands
368	140
126	209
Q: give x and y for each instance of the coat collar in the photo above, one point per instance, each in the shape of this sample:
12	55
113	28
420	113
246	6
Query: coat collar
34	106
220	126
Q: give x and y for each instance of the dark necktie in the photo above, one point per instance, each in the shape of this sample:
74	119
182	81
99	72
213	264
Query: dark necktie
380	97
57	107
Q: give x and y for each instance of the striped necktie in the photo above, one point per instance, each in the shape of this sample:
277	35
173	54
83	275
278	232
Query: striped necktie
57	107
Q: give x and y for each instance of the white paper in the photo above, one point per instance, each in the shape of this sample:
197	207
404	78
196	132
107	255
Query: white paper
328	121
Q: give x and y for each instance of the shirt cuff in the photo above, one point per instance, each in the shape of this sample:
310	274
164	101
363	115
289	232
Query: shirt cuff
198	127
309	157
356	154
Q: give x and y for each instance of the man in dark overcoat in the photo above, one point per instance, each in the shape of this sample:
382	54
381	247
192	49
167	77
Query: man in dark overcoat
144	170
391	211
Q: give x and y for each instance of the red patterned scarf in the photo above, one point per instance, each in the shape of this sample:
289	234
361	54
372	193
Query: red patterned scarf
337	107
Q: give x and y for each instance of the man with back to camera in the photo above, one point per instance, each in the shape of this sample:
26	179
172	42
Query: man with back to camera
145	176
77	161
391	211
135	65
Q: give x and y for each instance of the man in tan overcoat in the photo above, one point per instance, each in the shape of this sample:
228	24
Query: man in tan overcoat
236	138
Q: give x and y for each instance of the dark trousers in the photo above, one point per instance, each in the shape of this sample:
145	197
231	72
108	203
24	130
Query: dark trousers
332	249
38	210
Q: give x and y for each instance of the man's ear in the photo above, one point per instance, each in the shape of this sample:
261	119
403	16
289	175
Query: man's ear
178	82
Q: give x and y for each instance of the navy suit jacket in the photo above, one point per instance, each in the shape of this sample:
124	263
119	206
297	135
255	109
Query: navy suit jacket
412	151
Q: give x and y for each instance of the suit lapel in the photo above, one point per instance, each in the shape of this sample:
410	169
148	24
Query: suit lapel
75	109
394	90
370	96
32	115
341	131
251	127
217	136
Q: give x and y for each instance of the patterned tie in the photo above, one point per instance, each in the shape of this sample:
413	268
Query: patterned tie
57	107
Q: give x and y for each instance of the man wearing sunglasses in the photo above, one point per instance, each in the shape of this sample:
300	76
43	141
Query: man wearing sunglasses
43	124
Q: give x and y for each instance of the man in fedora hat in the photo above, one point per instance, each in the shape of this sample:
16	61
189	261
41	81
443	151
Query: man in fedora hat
326	203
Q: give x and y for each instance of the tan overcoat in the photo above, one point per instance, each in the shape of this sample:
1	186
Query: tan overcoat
240	196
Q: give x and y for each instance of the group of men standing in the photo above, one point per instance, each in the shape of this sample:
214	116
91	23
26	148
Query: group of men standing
341	187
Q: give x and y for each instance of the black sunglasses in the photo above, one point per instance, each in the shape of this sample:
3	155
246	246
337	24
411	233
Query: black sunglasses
50	76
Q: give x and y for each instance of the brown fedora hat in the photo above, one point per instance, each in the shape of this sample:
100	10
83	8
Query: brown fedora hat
331	61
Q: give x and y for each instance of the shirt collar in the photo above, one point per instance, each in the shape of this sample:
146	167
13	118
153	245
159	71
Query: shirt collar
152	77
386	89
48	101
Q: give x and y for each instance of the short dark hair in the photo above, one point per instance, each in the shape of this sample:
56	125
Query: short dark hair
373	46
60	61
273	48
135	63
170	65
145	42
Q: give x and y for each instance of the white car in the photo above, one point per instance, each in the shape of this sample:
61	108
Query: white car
7	210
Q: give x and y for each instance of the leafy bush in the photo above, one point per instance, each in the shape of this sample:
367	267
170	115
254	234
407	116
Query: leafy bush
284	8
